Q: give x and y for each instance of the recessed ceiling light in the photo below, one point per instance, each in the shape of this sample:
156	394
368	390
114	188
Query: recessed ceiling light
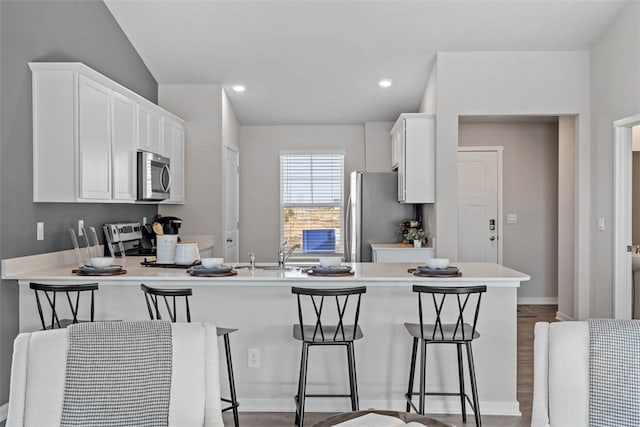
239	88
385	82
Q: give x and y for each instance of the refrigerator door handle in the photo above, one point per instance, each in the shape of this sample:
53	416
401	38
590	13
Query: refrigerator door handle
347	232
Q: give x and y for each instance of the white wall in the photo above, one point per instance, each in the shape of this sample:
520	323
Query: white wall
201	107
530	190
566	215
615	94
377	148
260	176
508	83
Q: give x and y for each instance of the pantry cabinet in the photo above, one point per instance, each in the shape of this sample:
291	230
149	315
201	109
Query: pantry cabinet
86	133
413	153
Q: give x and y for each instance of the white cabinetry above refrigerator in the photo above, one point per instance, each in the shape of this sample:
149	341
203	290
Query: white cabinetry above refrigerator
413	154
86	131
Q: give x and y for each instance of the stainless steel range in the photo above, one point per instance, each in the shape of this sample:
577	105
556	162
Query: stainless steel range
128	238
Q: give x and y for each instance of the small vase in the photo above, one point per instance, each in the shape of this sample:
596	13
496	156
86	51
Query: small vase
417	243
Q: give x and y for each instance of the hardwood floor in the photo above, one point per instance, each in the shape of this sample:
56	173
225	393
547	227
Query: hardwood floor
528	315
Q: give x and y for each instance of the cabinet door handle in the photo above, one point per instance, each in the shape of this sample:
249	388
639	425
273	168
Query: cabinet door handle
492	238
229	240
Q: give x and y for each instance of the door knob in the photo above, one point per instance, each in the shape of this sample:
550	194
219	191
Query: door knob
229	240
492	238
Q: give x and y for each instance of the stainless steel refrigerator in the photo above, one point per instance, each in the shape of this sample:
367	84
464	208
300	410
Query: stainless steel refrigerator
373	213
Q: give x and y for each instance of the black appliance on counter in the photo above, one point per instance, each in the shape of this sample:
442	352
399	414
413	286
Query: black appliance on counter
170	224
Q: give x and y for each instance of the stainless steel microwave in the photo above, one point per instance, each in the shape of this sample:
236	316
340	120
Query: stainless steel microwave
154	176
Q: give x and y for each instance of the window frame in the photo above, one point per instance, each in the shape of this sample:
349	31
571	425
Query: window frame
299	251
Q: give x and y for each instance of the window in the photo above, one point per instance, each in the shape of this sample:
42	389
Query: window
311	196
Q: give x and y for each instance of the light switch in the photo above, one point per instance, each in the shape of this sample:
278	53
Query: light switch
512	218
601	224
40	231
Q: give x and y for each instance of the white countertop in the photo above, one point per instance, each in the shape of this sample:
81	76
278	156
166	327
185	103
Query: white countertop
373	273
378	246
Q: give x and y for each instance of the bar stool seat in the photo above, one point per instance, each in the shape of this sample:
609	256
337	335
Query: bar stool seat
318	332
169	296
464	303
330	334
448	330
50	293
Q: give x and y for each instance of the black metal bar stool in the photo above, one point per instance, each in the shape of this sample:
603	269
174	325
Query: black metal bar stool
465	304
151	297
322	333
51	291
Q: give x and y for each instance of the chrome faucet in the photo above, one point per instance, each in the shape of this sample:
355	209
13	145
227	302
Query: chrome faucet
282	256
252	261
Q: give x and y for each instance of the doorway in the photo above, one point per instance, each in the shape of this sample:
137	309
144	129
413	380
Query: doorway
622	200
539	193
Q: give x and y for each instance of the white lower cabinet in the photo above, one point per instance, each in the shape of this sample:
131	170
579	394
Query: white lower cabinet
387	253
86	132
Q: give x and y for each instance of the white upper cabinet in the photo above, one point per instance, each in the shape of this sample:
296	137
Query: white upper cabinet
149	130
86	132
94	139
413	151
123	147
173	148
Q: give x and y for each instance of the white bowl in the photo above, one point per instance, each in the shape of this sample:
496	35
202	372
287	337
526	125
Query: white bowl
212	262
438	262
330	261
101	262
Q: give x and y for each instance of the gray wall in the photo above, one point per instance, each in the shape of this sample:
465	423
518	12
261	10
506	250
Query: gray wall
58	30
260	176
615	94
530	190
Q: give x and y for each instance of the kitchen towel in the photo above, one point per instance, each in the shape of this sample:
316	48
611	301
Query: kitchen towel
118	374
614	372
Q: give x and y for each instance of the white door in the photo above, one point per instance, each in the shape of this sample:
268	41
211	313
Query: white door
478	220
231	204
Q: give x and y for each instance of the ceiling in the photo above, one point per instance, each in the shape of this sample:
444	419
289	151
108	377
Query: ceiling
318	62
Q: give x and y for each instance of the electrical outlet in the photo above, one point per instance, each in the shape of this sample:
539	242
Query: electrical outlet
253	358
80	227
601	224
40	231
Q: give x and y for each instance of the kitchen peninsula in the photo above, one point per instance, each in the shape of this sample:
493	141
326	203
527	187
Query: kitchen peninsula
260	304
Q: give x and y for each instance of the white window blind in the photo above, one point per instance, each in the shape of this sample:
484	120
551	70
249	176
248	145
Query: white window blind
311	199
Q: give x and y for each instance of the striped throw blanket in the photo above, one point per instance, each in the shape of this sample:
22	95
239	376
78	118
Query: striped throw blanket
614	373
118	374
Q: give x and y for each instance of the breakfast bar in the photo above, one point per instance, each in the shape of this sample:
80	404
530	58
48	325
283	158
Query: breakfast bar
260	305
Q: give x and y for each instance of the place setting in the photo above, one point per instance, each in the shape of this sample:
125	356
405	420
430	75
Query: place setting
99	266
330	267
212	267
436	267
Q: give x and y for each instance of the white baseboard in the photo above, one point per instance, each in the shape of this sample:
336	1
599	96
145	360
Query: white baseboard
4	410
538	300
435	405
563	317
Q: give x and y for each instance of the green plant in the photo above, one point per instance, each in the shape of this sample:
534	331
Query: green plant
414	234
